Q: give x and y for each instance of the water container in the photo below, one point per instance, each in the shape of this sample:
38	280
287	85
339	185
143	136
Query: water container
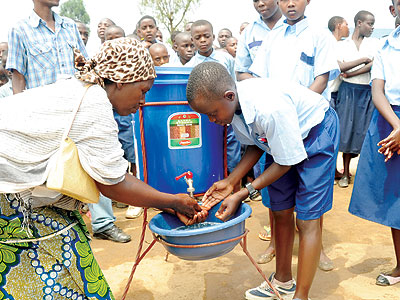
175	138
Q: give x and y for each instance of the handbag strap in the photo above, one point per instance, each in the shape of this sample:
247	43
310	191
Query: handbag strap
68	129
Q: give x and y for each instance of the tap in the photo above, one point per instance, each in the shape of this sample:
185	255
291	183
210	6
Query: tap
189	180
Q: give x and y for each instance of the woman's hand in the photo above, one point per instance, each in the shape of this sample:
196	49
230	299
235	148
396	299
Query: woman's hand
231	204
390	145
217	192
186	206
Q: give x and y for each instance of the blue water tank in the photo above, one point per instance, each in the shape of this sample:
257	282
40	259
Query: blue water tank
175	138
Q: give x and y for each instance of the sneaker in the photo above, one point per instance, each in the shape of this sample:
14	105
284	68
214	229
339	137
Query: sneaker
265	292
133	212
114	234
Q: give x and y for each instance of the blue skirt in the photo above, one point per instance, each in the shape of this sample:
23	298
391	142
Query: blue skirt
376	192
354	108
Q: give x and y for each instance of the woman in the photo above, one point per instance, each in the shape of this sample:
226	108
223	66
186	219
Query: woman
62	265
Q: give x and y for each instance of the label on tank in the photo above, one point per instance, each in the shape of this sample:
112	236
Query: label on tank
184	130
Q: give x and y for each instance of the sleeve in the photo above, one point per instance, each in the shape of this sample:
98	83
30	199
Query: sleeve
378	71
283	135
243	58
325	56
17	58
258	67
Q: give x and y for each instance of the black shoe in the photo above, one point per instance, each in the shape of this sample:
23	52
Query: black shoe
114	234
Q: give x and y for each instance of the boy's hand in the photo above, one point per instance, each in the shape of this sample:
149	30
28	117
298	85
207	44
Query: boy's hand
198	218
186	206
217	192
230	205
390	145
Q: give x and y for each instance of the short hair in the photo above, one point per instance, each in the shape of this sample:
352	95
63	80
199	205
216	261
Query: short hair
158	46
182	35
115	27
202	23
147	17
333	22
174	34
226	29
361	16
108	19
208	79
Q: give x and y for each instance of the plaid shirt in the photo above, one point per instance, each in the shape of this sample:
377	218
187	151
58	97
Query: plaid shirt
40	54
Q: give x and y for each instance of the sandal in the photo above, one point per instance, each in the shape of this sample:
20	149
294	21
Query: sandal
386	280
265	235
265	258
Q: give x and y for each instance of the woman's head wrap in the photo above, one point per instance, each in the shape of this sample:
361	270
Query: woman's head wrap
121	60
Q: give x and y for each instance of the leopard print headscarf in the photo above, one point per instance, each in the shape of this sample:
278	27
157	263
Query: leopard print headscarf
121	60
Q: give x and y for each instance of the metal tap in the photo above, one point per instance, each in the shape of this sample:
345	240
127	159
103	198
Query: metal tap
189	180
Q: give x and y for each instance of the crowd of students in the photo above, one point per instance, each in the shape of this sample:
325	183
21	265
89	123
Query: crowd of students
291	95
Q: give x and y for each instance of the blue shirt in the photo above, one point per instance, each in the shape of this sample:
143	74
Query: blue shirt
277	117
216	56
125	135
250	41
40	54
386	67
298	53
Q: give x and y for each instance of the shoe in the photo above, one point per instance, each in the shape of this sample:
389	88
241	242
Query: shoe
265	234
121	205
326	266
344	182
386	280
265	292
114	234
133	212
265	258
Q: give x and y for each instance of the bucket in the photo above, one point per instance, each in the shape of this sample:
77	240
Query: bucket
172	139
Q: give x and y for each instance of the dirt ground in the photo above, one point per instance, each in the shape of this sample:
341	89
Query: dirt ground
359	249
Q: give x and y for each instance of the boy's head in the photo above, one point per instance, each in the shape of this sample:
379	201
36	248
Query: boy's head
147	29
223	35
203	37
188	26
102	26
3	47
395	10
339	26
231	46
159	36
293	10
212	91
48	3
3	58
184	46
243	26
113	32
364	23
159	54
83	31
266	8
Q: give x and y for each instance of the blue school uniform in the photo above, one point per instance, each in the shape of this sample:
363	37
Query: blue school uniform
250	41
298	53
376	194
295	127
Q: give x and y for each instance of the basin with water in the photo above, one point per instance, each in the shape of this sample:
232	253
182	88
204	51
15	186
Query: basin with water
171	230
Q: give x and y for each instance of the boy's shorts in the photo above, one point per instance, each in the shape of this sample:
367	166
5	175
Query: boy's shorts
309	185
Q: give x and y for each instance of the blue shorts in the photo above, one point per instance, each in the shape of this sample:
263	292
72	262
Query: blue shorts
308	186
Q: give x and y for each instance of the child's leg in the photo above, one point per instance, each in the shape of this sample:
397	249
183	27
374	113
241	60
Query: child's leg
396	242
309	253
284	239
325	263
269	253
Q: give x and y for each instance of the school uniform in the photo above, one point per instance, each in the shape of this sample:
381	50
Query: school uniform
297	53
295	127
376	187
354	104
250	41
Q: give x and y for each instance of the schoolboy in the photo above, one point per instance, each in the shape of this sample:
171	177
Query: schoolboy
231	46
159	54
83	31
298	53
286	121
269	20
113	32
184	47
223	35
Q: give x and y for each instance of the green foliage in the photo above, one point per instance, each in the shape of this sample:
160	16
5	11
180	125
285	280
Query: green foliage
171	13
75	9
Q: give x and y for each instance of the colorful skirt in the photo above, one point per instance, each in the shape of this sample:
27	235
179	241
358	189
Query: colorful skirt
354	107
376	192
61	267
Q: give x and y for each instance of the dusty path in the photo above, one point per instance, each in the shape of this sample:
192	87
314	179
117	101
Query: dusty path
359	249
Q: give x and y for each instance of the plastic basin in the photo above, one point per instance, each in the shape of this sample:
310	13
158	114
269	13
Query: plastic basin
165	225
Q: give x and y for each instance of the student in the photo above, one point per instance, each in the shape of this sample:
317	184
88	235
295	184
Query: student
355	89
83	31
188	26
159	54
184	47
173	36
286	121
113	32
101	28
159	36
3	46
231	46
243	26
376	188
223	35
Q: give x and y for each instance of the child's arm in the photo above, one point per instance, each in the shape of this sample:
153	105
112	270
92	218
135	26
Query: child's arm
319	84
391	144
364	69
223	188
348	65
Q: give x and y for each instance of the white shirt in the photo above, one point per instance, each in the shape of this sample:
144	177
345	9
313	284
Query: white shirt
278	117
